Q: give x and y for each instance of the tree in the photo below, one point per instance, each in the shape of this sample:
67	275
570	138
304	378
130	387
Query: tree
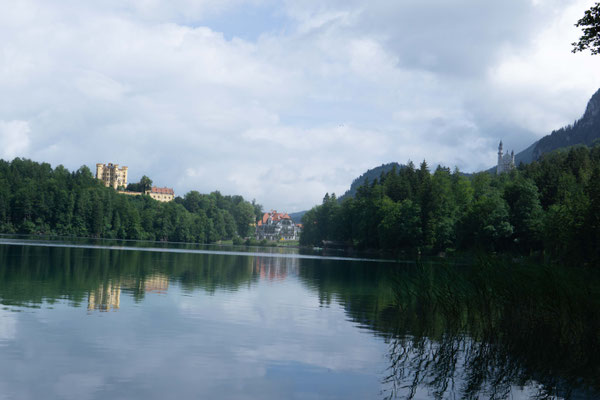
525	213
243	213
591	31
487	223
145	183
400	226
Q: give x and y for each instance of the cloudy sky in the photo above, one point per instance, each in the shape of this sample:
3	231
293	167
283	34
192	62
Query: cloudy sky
283	101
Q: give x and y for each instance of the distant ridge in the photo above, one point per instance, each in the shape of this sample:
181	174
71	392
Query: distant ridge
370	175
584	131
297	216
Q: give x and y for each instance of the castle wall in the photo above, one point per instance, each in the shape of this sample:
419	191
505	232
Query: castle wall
162	197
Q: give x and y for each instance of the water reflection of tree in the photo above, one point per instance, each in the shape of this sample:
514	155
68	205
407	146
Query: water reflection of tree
34	275
480	331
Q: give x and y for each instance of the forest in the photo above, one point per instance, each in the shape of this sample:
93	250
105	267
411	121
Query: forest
36	199
549	208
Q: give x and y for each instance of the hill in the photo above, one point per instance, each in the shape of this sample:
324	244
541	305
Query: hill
585	131
297	216
370	175
36	199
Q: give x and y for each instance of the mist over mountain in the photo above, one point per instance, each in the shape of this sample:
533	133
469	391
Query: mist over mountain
585	131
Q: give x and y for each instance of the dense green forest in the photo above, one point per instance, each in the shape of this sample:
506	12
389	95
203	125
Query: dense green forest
36	199
550	207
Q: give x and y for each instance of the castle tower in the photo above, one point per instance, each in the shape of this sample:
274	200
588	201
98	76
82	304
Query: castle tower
499	169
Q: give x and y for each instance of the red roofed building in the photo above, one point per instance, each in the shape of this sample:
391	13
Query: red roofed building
276	226
161	194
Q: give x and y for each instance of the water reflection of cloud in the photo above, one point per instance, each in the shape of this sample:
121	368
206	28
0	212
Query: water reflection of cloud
285	324
8	326
329	355
269	339
78	386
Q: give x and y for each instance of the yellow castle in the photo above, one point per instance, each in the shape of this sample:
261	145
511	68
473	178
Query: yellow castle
112	175
116	177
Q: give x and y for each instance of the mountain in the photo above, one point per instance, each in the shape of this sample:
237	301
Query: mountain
370	175
584	131
297	216
525	156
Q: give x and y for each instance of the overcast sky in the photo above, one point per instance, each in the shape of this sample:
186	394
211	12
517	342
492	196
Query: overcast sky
283	101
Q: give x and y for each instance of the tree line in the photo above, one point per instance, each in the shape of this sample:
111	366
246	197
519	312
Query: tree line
550	207
36	199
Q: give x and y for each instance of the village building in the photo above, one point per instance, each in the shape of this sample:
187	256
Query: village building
506	162
112	175
277	226
161	194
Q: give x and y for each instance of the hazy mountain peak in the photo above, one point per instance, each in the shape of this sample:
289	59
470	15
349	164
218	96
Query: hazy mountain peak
584	131
592	110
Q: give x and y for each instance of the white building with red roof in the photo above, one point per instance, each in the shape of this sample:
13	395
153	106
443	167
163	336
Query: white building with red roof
277	226
161	194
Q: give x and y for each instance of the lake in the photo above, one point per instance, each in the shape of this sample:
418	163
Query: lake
126	321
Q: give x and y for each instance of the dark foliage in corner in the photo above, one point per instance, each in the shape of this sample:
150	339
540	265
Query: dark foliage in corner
590	23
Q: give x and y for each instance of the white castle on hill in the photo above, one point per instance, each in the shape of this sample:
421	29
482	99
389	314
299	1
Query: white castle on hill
506	162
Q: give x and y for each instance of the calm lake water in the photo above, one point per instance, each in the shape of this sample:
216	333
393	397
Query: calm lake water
120	322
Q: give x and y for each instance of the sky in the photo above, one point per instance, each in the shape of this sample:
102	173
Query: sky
283	101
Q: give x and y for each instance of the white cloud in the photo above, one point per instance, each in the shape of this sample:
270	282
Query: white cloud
78	385
8	326
14	139
326	91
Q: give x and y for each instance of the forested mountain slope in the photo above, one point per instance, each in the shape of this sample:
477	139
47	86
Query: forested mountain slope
584	131
370	175
550	207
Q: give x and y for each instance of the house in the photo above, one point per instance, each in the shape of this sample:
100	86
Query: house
161	194
277	226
